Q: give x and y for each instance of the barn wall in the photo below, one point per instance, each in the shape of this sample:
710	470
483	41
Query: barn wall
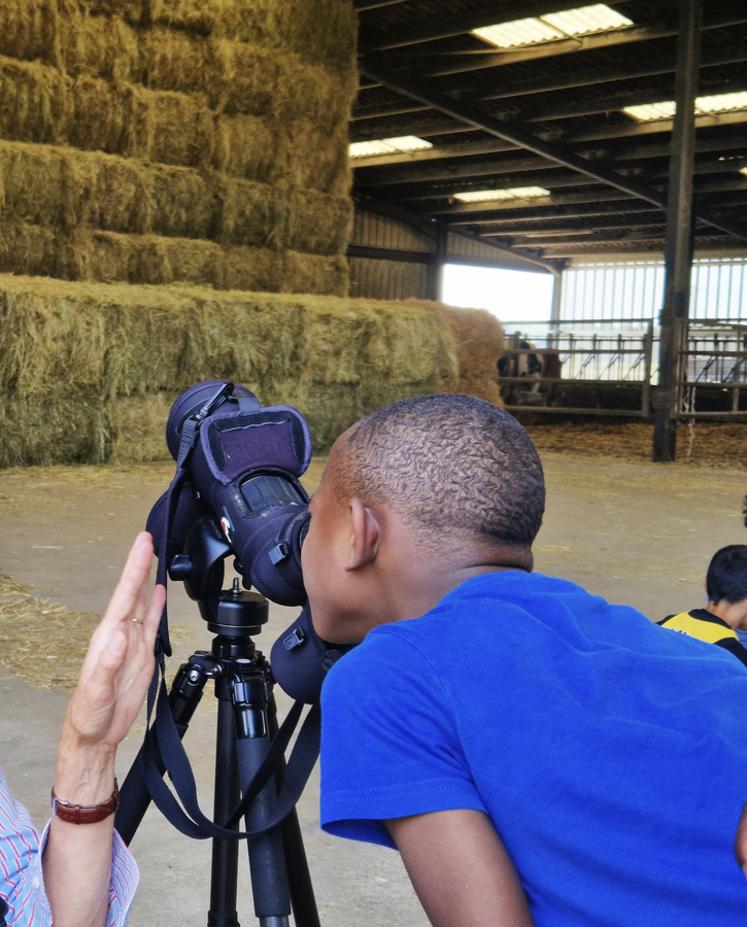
385	278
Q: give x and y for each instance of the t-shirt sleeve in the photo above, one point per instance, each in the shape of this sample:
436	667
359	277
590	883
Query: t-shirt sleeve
390	741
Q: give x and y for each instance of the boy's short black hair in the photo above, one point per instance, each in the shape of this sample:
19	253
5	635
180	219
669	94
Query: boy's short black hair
449	463
727	574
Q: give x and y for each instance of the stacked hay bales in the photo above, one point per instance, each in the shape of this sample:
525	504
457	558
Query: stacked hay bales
198	141
88	371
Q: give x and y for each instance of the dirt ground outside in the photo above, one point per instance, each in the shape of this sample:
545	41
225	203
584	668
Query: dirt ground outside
627	529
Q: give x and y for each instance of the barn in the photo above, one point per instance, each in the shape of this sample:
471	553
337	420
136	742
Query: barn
275	193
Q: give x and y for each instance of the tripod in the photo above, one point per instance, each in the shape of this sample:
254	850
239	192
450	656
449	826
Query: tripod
247	722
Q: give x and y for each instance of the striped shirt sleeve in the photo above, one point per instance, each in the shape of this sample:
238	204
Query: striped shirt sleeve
22	878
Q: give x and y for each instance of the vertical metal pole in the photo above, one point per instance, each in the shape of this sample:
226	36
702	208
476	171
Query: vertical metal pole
436	267
679	236
557	292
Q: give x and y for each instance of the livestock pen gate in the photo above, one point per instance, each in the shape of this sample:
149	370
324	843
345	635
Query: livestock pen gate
604	338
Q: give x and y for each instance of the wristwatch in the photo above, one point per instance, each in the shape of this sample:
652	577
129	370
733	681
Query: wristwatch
85	814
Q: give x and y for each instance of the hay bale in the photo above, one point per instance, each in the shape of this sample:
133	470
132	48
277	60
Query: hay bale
318	222
480	342
184	203
324	30
136	426
133	11
258	269
333	358
172	60
67	188
315	158
98	46
32	249
28	29
34	101
246	146
314	273
65	427
182	129
253	213
109	117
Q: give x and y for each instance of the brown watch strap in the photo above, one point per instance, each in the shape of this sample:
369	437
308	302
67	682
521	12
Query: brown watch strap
85	814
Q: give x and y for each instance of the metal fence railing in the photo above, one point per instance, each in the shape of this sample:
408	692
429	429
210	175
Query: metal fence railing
610	367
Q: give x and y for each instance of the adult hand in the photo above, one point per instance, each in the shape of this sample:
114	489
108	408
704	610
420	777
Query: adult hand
119	664
111	688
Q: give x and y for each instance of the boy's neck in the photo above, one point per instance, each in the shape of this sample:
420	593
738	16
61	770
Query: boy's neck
727	612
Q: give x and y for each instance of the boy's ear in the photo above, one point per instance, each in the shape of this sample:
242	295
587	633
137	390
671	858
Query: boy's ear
364	537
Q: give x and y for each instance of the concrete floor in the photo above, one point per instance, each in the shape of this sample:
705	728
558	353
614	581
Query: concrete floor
637	533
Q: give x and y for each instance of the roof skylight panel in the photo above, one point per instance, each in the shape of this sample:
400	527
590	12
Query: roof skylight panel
507	193
400	144
586	20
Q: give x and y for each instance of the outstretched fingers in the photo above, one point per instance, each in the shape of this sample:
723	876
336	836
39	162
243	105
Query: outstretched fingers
131	586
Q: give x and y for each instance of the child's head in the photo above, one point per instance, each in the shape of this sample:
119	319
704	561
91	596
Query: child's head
726	584
438	483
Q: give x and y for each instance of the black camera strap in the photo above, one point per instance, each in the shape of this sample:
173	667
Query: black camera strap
163	742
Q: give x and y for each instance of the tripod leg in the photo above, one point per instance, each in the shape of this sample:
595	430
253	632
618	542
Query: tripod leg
267	865
302	891
184	697
225	857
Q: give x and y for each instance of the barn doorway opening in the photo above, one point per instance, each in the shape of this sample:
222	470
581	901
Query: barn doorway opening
514	296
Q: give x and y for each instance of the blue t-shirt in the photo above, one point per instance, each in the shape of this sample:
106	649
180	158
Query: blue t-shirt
610	753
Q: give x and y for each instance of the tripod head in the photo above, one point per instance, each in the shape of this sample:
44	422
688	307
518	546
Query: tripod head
232	614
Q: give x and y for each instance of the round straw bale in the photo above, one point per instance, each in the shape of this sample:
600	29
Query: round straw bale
34	101
28	29
98	46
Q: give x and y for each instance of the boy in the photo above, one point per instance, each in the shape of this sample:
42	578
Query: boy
536	754
726	611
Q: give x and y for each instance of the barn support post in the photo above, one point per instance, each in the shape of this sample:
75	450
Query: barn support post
436	267
557	293
679	235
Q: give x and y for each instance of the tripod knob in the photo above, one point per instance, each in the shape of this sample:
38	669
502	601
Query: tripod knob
181	567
